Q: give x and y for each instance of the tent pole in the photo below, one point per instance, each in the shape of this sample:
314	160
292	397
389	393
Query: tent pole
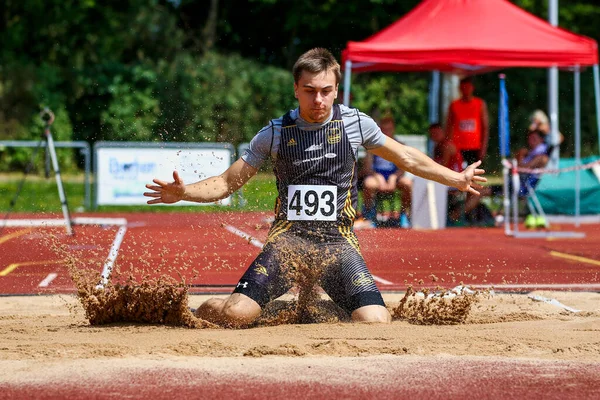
347	73
577	90
553	93
434	96
597	96
553	111
434	105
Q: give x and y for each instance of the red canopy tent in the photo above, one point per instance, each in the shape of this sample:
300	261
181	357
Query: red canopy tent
469	36
472	36
475	36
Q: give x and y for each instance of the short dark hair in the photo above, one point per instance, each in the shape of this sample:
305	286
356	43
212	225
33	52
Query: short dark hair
467	79
435	125
315	61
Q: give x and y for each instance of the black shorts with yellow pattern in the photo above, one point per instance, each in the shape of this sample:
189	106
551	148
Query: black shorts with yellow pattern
305	254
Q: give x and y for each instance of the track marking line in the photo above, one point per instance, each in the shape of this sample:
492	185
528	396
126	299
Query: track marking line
12	267
47	280
260	245
381	280
575	258
13	235
537	286
253	241
9	269
554	302
112	256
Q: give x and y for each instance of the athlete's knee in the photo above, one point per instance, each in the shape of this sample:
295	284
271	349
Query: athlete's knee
371	183
211	309
372	313
240	310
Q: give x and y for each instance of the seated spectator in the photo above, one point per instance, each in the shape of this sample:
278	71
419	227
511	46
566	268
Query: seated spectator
382	176
461	208
535	156
445	151
538	121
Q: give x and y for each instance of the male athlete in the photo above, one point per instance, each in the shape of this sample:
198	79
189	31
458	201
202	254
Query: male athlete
314	150
467	124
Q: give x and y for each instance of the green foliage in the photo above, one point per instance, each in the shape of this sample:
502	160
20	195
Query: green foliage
402	95
141	70
219	98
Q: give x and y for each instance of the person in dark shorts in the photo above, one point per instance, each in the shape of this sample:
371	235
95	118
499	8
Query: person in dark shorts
314	153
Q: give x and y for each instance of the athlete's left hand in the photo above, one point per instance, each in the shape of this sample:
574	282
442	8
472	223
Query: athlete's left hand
471	177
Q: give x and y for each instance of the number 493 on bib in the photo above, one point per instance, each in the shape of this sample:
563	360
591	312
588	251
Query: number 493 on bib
312	203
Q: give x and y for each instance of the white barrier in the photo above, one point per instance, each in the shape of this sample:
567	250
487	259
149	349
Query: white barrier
124	168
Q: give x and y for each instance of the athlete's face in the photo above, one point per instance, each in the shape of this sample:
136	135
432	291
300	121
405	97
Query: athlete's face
466	89
315	94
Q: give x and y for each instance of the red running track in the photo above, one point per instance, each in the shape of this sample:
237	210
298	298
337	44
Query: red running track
348	378
216	246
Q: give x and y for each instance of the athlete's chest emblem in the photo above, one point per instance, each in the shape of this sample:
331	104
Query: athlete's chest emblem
334	135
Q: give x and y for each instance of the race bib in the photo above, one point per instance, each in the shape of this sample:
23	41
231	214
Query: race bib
467	125
312	203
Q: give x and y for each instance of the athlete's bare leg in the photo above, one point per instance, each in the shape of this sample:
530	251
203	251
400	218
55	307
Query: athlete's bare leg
374	313
237	311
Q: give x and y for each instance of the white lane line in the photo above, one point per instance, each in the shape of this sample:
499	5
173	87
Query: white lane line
112	256
539	286
554	302
47	280
260	245
381	280
245	236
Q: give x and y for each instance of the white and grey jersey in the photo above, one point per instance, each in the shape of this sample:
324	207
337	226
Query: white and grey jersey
360	129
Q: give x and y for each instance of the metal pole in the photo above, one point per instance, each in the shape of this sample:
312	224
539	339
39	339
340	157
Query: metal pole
347	74
515	196
434	98
577	89
48	118
597	97
506	199
434	106
88	170
61	190
553	94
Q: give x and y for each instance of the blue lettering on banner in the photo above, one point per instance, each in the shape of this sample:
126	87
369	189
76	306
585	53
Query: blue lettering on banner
129	170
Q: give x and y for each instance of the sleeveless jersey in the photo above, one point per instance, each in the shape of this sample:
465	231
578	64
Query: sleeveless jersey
316	173
466	123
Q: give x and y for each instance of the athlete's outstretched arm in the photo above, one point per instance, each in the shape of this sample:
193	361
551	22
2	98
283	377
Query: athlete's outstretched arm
414	161
204	191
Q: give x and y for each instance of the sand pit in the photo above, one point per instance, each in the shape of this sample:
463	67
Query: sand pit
54	328
47	340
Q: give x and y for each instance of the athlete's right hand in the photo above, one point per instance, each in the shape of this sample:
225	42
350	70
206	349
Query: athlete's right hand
166	192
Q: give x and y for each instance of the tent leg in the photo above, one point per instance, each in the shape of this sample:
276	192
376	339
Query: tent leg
434	105
577	91
347	74
515	196
506	199
434	98
553	93
597	97
553	111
